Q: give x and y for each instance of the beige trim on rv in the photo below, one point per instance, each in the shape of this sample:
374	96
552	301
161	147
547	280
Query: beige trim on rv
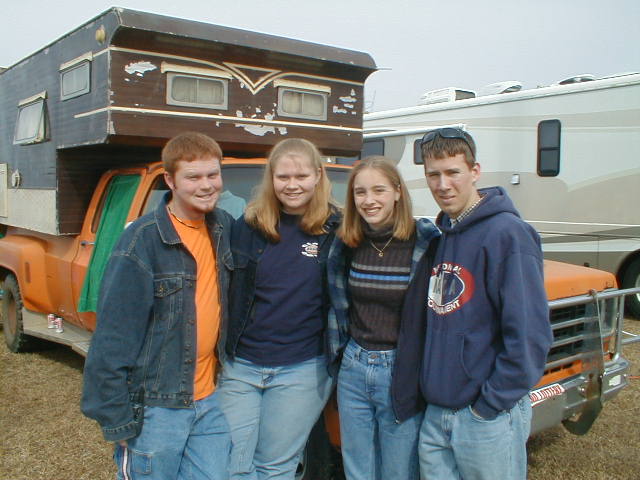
85	57
302	85
33	98
207	72
213	116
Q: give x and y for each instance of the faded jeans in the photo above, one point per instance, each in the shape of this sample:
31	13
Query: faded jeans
374	445
456	444
271	411
178	443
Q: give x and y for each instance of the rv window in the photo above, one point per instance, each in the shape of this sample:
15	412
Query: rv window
417	152
196	91
549	148
30	126
302	104
75	81
372	147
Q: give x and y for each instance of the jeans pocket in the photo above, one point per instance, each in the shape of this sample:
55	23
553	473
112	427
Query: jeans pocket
475	416
347	360
140	462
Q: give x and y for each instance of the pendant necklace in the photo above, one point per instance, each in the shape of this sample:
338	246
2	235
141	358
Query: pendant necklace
381	250
180	220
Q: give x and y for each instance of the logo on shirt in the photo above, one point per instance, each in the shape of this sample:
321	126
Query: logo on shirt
450	287
310	249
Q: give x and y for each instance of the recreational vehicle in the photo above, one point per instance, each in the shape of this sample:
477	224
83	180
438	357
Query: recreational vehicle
567	154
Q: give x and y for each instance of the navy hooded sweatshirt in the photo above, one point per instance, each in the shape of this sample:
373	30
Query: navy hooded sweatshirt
488	330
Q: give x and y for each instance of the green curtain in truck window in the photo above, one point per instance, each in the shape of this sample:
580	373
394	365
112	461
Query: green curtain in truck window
114	213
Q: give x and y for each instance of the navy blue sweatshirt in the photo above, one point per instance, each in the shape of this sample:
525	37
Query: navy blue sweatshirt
287	322
488	331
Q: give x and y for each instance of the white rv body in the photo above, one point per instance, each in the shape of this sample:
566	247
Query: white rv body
589	213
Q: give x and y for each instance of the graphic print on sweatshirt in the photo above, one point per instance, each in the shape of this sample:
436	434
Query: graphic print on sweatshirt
450	287
310	249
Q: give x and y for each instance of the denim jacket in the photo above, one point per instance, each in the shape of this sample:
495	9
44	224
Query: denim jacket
247	246
143	351
405	384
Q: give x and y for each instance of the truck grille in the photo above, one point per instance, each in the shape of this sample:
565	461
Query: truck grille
575	328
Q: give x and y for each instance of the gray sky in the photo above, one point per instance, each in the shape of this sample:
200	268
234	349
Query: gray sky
418	45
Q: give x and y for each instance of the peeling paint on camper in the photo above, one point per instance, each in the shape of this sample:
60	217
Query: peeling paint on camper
258	130
139	68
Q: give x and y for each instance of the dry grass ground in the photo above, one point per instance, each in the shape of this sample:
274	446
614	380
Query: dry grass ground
45	437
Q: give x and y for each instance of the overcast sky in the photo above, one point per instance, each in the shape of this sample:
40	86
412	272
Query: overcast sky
417	45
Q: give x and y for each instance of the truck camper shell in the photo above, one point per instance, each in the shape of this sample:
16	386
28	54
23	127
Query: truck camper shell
114	90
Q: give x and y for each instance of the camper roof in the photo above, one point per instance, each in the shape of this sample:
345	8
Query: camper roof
583	77
508	86
448	94
177	27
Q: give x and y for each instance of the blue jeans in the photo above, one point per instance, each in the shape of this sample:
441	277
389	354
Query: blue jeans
457	444
271	411
178	443
374	444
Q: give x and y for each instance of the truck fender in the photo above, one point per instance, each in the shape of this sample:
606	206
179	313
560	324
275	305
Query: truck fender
25	257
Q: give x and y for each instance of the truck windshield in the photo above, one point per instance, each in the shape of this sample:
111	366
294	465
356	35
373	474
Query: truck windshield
241	180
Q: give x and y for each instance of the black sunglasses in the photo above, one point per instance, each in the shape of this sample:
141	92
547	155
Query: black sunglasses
449	132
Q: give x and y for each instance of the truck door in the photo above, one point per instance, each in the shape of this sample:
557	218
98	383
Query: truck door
103	225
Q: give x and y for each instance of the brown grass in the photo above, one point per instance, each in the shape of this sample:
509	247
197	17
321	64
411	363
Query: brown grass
45	437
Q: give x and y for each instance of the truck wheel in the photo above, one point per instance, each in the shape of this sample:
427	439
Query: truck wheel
14	336
631	279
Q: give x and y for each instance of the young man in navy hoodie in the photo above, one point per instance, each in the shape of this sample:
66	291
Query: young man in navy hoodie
488	331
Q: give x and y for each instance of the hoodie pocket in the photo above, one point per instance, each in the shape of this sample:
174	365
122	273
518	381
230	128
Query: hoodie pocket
447	381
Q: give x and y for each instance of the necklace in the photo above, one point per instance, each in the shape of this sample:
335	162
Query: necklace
180	220
381	250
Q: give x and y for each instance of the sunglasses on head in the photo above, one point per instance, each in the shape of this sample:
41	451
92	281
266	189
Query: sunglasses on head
448	132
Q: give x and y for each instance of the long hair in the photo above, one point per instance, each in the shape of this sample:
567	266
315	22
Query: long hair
263	212
351	231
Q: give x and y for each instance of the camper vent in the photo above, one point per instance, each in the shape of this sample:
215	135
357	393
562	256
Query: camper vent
449	94
585	77
498	88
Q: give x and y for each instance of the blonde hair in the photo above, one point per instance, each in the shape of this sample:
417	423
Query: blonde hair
351	231
263	212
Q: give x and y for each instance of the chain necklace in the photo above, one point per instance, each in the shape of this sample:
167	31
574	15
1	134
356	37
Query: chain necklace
180	220
381	250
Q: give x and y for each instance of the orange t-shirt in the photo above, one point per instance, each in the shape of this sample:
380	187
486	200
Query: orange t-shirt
195	237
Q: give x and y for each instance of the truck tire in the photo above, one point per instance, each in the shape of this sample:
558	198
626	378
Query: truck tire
12	327
631	279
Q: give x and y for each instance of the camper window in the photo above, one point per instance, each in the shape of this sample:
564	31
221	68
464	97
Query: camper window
372	147
549	148
302	104
30	126
417	152
197	91
75	81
